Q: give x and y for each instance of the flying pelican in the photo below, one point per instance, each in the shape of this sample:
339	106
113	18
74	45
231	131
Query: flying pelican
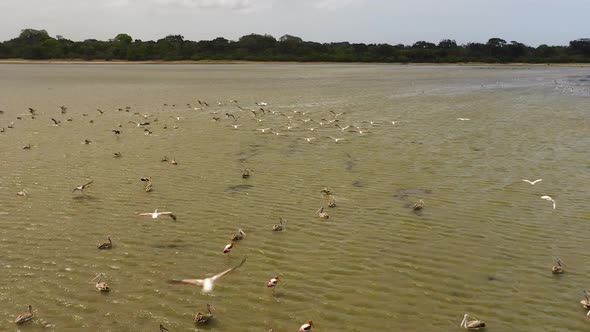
101	285
82	187
201	318
25	316
322	214
278	227
238	236
207	283
558	268
306	327
105	245
548	198
474	324
156	214
532	182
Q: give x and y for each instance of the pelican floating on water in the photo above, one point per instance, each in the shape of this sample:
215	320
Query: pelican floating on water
474	324
558	267
419	205
25	316
201	318
207	283
238	236
101	285
278	227
105	245
322	214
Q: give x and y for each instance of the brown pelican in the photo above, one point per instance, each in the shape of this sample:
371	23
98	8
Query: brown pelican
101	285
278	227
419	205
105	245
558	268
156	214
207	283
201	318
474	324
25	316
238	236
322	214
306	327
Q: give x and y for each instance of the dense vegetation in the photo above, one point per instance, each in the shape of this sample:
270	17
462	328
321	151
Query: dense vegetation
37	44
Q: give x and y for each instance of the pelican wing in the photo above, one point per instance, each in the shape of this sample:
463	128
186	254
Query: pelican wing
86	184
169	214
196	282
146	214
219	275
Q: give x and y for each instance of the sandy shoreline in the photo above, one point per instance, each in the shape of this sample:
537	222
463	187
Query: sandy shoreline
159	62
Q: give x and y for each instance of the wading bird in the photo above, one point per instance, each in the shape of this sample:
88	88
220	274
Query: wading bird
207	283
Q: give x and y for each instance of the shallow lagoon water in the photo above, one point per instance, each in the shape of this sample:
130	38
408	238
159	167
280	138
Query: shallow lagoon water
484	244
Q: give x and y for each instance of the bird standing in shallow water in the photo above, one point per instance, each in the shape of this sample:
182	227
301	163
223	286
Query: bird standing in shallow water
272	283
25	316
306	327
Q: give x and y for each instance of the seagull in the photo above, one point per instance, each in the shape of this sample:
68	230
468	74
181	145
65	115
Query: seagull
82	187
309	139
207	283
532	182
263	130
548	198
156	214
463	119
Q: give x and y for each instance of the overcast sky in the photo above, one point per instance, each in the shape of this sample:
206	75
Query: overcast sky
533	22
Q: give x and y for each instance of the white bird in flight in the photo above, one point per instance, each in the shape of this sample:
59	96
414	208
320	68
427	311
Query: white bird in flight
309	139
336	139
207	283
532	182
548	198
156	214
463	119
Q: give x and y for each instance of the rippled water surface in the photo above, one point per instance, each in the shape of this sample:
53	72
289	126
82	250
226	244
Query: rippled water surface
483	244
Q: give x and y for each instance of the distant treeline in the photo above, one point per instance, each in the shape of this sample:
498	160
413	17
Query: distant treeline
37	44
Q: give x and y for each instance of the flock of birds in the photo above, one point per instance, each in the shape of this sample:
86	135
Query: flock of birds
295	123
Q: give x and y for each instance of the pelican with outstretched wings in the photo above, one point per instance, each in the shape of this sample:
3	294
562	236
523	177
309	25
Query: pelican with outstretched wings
207	283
